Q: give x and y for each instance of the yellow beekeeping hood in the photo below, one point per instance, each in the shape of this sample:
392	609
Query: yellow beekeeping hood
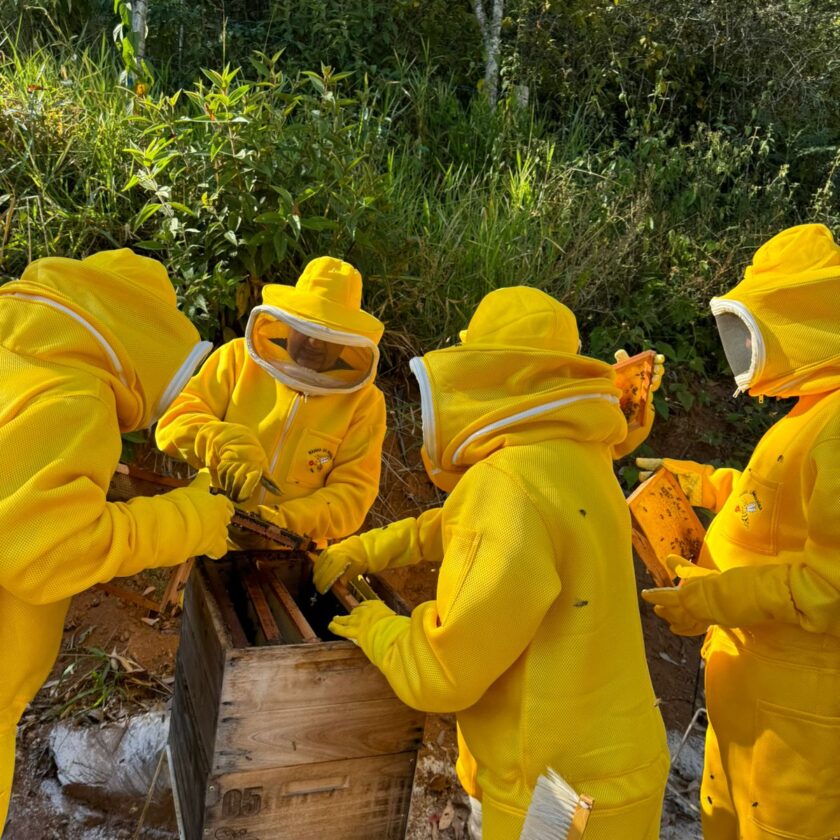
114	314
780	326
326	305
515	379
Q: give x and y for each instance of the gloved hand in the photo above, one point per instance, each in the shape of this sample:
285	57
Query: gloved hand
357	626
648	466
692	477
234	456
636	437
658	367
346	559
684	606
215	512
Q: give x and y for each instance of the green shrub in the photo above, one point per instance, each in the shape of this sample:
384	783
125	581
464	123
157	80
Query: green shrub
248	179
63	124
238	180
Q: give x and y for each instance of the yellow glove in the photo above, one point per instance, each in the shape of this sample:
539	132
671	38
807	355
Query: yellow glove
681	605
272	514
359	626
694	479
234	456
648	466
345	560
215	512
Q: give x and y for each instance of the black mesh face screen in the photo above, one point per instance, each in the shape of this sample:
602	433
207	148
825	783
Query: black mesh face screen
737	342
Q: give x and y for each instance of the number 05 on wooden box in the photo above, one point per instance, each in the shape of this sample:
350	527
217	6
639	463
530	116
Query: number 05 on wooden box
279	730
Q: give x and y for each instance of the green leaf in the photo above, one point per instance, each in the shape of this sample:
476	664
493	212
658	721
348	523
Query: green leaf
271	217
316	81
667	350
146	213
182	208
318	223
307	193
660	404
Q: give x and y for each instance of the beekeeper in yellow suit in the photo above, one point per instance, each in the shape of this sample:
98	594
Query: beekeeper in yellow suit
769	577
88	349
294	402
534	639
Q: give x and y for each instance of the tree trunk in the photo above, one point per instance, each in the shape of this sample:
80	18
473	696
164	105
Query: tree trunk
491	35
139	10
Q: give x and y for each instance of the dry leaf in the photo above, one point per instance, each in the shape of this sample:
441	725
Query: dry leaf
128	665
150	621
667	658
447	816
148	590
438	783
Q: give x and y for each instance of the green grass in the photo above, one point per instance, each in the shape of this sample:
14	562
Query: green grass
240	179
63	124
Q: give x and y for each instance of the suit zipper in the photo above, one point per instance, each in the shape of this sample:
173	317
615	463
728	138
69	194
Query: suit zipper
290	416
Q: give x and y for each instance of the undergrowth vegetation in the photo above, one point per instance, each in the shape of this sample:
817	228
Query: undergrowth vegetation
656	149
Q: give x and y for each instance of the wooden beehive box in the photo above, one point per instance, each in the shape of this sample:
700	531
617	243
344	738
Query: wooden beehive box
664	522
284	740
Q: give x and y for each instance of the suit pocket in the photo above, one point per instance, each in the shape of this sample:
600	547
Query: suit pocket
751	515
795	780
313	459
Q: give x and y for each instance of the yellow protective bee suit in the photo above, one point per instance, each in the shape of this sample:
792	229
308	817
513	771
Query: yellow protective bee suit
88	349
534	639
319	434
773	657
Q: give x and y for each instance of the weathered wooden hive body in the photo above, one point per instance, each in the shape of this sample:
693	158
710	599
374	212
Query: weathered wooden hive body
278	729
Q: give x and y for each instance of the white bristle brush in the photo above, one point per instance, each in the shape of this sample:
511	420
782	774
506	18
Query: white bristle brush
557	811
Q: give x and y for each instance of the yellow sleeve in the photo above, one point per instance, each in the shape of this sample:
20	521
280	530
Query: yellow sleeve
806	593
340	506
704	485
497	581
60	535
402	543
204	400
815	582
637	437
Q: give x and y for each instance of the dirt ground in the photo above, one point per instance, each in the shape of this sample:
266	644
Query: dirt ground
138	651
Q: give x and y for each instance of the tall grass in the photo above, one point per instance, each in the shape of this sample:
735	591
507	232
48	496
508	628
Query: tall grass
242	178
63	127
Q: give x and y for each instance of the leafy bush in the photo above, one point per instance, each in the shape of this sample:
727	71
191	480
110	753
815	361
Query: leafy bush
634	216
360	36
30	24
249	180
63	124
